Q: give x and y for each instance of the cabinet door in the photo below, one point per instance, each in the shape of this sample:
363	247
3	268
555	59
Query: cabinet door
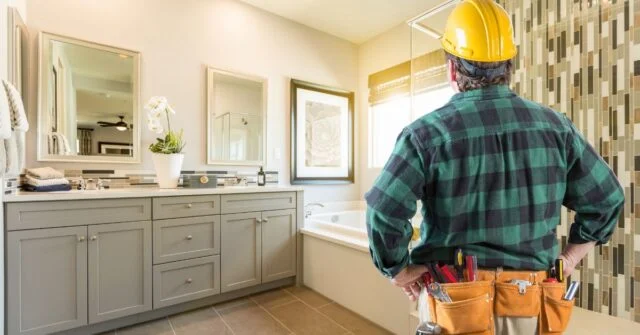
240	251
47	280
119	270
278	244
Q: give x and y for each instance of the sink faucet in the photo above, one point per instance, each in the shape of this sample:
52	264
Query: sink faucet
307	208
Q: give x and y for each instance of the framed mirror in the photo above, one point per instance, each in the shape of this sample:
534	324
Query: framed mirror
88	95
236	118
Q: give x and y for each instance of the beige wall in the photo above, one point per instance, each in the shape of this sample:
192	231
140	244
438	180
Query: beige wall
178	39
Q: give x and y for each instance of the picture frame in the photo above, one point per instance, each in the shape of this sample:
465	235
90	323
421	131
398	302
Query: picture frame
322	121
115	148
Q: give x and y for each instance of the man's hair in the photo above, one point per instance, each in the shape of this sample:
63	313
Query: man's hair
471	75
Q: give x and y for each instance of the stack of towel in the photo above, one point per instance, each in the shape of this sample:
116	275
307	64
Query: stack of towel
45	179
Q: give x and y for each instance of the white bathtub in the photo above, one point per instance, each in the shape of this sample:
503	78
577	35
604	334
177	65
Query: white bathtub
337	264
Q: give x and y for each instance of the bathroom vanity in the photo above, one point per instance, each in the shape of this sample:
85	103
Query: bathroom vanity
89	261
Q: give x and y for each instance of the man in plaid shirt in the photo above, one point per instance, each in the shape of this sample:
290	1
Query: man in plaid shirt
492	171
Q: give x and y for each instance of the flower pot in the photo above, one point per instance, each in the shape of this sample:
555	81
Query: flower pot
168	167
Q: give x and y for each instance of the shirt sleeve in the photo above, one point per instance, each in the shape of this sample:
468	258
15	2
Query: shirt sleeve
593	192
391	204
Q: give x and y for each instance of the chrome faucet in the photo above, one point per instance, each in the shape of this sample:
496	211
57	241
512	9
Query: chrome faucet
307	208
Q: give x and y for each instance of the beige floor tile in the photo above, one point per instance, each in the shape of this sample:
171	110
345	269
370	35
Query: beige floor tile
301	319
157	327
232	303
273	298
308	296
251	319
352	321
203	321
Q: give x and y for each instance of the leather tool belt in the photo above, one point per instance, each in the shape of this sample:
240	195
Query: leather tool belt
478	307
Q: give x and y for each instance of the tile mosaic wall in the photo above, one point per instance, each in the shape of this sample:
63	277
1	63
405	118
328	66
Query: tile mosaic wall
582	58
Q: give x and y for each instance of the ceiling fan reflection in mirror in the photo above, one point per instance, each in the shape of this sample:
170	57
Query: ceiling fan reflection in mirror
120	125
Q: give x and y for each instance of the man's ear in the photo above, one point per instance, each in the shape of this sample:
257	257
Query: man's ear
451	75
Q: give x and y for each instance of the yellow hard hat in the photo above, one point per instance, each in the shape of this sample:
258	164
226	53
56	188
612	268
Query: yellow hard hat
479	30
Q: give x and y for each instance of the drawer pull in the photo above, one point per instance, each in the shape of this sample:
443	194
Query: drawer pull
189	237
81	239
93	238
189	280
189	205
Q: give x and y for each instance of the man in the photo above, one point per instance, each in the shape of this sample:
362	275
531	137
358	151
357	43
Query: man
491	169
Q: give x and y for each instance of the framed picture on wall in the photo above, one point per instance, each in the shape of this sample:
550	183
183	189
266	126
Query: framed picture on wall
321	134
115	148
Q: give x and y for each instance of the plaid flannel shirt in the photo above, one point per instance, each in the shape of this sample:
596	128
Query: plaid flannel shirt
492	171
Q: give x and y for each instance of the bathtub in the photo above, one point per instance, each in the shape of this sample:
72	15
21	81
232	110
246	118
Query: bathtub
337	264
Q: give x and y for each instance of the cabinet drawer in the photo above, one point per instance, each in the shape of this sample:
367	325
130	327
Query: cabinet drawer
183	281
179	239
243	203
29	215
182	207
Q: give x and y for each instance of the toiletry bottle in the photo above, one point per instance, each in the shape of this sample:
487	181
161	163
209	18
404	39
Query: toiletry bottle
261	177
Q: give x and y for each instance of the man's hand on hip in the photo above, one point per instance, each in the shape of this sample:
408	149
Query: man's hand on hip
408	279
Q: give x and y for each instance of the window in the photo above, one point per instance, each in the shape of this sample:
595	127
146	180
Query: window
386	120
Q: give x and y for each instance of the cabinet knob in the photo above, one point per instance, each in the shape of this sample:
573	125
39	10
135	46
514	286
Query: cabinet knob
189	237
258	221
265	220
189	205
189	280
81	239
93	238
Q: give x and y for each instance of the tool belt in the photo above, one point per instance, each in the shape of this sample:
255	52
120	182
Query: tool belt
475	305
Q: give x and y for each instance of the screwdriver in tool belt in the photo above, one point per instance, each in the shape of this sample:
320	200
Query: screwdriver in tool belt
559	265
458	263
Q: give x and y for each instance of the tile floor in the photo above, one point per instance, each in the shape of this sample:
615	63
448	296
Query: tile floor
292	310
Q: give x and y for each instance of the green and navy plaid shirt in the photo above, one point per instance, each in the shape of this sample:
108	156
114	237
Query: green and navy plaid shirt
492	171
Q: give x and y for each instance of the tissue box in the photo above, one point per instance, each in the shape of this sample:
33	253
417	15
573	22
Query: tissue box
199	181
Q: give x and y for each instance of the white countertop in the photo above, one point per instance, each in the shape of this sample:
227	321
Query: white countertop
141	192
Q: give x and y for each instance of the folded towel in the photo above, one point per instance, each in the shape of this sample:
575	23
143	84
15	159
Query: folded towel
46	182
18	114
5	116
45	173
52	188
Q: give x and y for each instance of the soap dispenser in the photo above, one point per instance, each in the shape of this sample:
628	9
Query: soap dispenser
261	177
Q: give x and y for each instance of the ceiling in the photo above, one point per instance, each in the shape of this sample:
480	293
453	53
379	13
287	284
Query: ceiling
353	20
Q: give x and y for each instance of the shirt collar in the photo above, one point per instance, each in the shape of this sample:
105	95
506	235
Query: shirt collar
485	93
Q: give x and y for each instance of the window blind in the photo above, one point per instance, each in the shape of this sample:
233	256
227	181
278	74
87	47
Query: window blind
429	70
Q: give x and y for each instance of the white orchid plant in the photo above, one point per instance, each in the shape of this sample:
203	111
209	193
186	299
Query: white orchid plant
172	143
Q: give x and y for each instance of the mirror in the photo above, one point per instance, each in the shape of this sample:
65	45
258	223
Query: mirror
236	118
88	102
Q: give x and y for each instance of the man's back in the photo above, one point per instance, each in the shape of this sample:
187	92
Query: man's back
495	171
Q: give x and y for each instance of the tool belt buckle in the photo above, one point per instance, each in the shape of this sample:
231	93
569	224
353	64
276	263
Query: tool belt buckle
522	285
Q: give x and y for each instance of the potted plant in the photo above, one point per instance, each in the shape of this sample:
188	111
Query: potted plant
167	150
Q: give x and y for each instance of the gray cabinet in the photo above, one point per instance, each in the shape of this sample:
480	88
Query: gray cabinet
241	249
119	270
257	247
46	280
184	281
278	244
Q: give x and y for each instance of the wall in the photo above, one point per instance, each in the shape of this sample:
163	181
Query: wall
178	39
585	62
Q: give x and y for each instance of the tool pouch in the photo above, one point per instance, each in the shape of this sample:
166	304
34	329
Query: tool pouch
471	311
556	312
